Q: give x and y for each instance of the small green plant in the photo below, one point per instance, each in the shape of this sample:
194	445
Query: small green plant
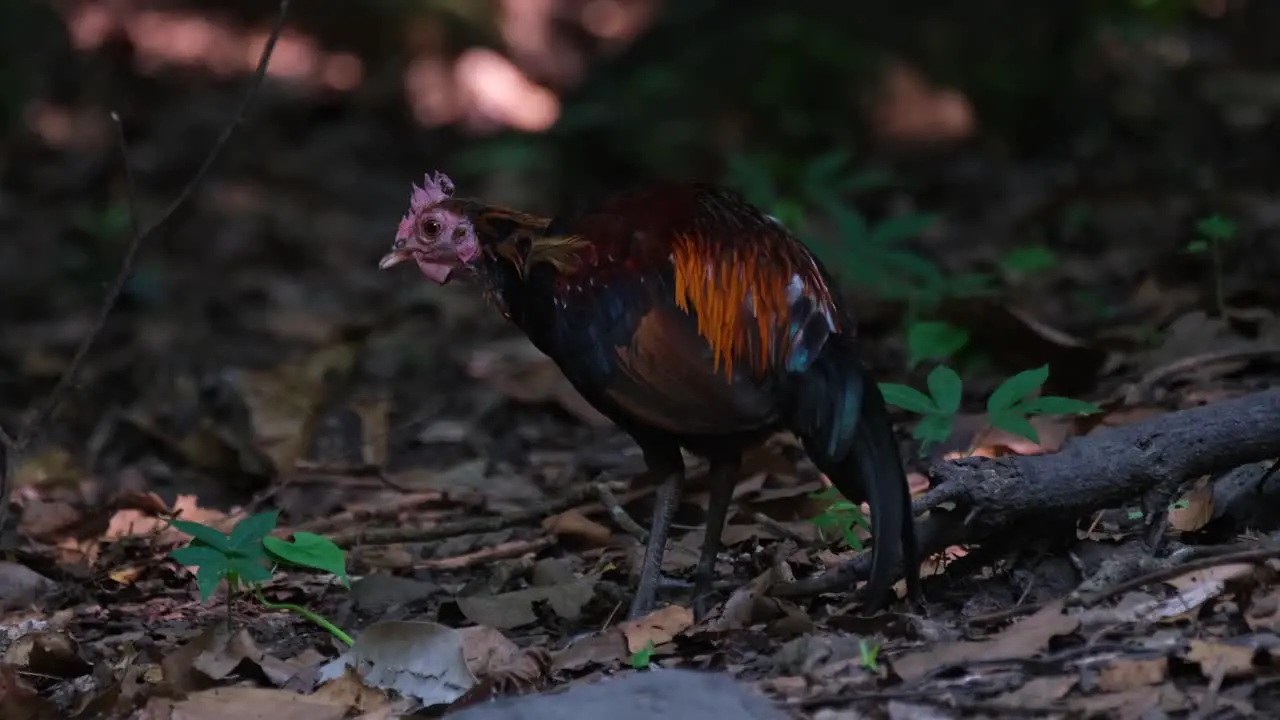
1028	260
246	557
840	516
868	654
938	408
1008	407
641	658
1212	233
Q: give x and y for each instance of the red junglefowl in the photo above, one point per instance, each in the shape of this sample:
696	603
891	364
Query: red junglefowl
691	319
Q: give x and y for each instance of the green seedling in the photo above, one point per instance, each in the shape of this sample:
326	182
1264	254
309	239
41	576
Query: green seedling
840	516
641	658
868	654
1212	232
1008	407
247	558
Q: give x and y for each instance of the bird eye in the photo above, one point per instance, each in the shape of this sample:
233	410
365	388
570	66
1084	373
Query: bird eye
431	228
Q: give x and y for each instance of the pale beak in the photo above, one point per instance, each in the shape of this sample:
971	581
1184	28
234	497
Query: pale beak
392	258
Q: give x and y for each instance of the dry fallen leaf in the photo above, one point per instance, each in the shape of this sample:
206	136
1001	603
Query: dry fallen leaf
283	401
492	656
1199	509
605	648
572	523
350	691
20	700
657	627
249	703
1213	657
1263	614
422	660
508	610
1023	639
1039	692
1128	673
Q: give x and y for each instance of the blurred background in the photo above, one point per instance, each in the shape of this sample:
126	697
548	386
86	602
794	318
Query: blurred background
998	183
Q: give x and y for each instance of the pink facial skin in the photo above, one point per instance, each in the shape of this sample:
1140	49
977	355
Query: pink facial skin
434	233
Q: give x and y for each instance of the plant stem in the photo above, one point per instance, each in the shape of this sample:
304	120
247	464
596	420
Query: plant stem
314	617
1219	297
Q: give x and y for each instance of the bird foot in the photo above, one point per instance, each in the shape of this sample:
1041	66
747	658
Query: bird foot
701	606
665	582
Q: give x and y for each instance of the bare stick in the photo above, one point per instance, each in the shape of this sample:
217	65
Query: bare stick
36	425
618	513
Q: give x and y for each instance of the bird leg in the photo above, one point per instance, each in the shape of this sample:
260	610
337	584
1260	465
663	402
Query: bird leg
664	510
723	476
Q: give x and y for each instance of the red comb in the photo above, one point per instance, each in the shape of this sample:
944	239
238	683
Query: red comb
435	187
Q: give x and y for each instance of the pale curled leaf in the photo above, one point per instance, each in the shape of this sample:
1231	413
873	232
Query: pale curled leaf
423	660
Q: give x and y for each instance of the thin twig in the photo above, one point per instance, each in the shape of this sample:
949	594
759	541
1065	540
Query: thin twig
1248	556
619	515
36	425
473	526
501	551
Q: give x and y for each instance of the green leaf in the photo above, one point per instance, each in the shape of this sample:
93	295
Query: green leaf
1029	259
203	533
1196	247
1016	388
1055	405
902	227
251	571
850	537
933	428
1216	227
199	555
907	398
311	551
934	340
252	529
207	579
1014	422
640	659
946	388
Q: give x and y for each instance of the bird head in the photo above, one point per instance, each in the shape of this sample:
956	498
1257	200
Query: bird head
436	233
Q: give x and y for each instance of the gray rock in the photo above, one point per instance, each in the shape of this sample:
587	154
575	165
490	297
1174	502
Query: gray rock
664	694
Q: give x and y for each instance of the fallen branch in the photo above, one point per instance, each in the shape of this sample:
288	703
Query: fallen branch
32	428
1021	495
474	526
501	551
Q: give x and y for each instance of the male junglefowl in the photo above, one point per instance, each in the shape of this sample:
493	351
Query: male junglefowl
691	319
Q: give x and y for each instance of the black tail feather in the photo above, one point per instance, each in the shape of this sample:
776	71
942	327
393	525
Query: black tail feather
841	418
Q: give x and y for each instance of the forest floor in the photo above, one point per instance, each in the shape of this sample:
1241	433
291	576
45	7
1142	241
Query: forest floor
259	361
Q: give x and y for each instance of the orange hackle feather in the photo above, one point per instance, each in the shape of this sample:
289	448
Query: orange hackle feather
736	289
